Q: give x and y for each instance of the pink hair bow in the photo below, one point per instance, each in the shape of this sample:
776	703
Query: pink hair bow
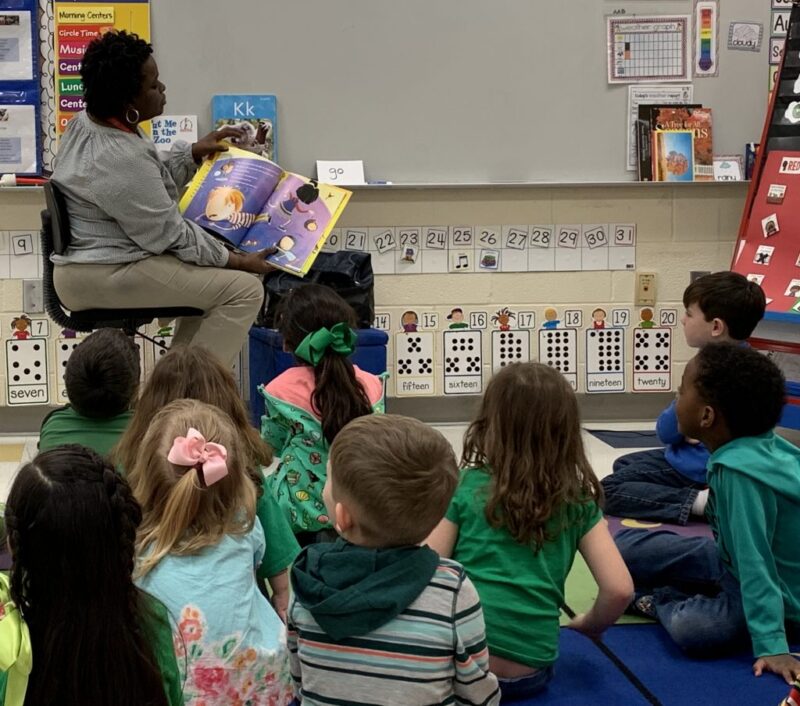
194	451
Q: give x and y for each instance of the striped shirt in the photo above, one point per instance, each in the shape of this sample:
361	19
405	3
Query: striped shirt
122	198
433	653
240	219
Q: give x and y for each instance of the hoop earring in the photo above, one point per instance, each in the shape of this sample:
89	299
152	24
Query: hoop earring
132	121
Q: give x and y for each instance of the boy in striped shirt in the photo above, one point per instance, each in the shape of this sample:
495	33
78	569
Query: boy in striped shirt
377	619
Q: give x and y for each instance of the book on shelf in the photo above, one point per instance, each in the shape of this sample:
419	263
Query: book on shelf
652	117
673	155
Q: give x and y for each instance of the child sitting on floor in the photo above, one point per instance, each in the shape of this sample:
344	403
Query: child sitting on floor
192	372
669	484
94	637
101	379
377	619
307	405
715	597
198	548
527	501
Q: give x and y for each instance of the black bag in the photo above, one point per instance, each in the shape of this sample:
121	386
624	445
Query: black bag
349	274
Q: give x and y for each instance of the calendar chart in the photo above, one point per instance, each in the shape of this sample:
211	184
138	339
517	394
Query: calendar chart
648	49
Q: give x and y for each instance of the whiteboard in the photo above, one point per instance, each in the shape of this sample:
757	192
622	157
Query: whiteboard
442	91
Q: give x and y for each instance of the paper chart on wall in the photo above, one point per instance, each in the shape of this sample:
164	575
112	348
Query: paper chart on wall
18	153
16	50
652	48
645	94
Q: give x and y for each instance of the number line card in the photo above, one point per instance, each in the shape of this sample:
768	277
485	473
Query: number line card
398	250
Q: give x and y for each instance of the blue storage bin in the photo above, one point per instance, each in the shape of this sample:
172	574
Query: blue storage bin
790	419
268	360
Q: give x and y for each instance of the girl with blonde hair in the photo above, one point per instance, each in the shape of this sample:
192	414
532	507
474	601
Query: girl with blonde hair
198	547
193	372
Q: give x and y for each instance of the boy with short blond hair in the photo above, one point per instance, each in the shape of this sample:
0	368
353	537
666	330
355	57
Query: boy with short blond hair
669	484
376	618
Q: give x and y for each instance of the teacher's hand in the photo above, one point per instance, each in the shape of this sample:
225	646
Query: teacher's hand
251	262
213	142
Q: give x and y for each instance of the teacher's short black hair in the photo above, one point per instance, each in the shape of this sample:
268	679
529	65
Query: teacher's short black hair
112	72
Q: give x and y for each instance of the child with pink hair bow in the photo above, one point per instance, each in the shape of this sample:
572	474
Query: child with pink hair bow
198	548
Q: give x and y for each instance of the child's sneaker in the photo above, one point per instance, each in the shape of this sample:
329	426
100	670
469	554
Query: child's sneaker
644	605
794	696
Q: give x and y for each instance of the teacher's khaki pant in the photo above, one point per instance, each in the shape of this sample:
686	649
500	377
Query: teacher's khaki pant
230	298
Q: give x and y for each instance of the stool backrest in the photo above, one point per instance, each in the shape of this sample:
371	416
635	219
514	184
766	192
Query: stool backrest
59	218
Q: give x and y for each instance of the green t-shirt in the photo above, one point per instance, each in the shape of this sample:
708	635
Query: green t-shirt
164	652
521	591
66	426
282	547
161	642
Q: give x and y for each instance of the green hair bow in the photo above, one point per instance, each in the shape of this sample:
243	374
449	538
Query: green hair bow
340	339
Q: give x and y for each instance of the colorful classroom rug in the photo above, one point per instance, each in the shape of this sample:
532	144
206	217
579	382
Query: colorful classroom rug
585	675
638	665
677	680
580	590
644	439
691	529
639	653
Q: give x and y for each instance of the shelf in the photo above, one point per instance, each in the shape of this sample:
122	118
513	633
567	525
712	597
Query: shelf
546	185
495	185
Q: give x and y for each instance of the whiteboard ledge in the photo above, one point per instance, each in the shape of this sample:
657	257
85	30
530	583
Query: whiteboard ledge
494	185
544	185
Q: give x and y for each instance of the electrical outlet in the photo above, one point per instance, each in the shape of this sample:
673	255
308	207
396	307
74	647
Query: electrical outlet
645	289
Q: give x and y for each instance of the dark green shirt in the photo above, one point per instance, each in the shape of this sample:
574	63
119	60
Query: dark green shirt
160	633
66	426
282	547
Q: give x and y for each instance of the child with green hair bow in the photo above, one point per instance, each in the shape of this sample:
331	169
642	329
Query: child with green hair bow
340	338
306	406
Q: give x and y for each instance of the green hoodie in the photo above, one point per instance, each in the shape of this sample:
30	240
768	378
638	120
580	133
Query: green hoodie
754	510
352	590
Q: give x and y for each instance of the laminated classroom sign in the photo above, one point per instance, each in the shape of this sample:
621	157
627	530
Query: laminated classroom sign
16	43
168	130
76	25
19	131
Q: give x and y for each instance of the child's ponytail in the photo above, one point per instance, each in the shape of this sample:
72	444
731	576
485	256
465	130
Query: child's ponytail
338	395
191	482
316	324
180	508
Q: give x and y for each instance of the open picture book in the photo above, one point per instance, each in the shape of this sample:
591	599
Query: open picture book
253	204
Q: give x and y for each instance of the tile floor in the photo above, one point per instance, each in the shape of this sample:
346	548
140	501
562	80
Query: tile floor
18	449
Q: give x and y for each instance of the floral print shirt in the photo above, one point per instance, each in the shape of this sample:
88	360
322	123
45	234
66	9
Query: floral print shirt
229	643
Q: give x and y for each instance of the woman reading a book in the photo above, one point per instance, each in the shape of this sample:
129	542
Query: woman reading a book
130	246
